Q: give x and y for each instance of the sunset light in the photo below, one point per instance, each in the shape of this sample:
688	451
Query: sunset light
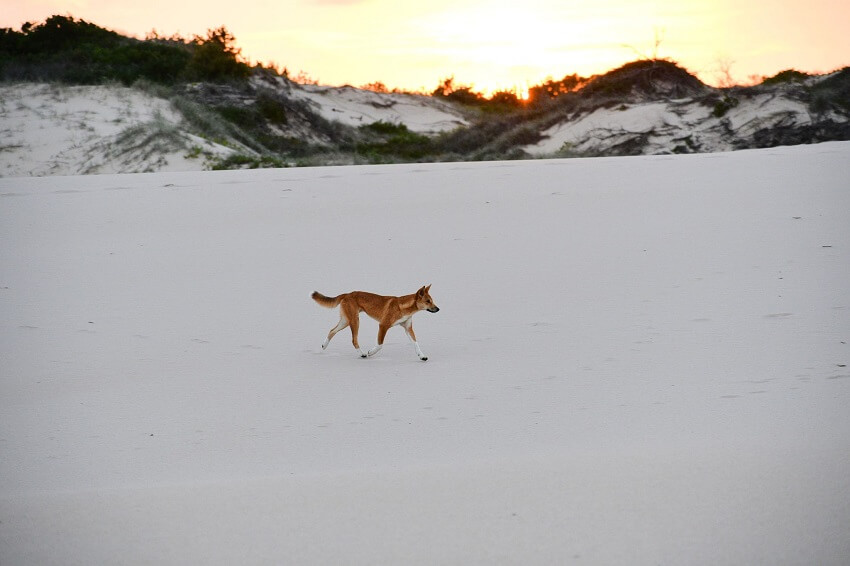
489	45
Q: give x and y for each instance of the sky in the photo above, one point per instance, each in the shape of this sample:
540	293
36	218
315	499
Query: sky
489	45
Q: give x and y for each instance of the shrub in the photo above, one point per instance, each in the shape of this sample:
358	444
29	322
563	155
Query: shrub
393	141
551	89
242	161
786	76
460	94
75	51
271	108
724	105
215	58
386	128
832	92
656	78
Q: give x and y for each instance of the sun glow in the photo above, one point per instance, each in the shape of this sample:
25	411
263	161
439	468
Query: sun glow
503	49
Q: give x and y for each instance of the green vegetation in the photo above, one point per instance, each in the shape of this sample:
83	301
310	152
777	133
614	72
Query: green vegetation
501	102
74	51
242	161
388	142
724	105
215	58
552	89
832	93
785	77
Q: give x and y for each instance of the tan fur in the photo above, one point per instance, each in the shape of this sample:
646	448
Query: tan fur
387	310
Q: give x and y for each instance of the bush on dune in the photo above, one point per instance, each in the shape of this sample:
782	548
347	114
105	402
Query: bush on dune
77	52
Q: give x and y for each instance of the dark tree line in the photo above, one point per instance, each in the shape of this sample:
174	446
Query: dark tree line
75	51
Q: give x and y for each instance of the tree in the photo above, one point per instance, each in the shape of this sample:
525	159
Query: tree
216	58
462	94
376	86
553	89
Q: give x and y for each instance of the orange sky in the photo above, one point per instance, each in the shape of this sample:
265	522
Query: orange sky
488	44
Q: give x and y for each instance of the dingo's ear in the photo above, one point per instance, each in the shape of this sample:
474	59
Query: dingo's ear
420	292
428	288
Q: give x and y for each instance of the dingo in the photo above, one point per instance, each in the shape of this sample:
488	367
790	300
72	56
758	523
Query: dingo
388	311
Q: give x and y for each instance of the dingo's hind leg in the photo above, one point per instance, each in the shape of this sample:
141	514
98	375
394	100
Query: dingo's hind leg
343	322
353	316
382	332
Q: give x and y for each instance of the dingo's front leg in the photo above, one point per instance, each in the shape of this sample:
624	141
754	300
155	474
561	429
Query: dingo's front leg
419	353
408	327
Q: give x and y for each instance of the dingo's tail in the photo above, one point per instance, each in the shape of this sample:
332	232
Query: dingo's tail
328	302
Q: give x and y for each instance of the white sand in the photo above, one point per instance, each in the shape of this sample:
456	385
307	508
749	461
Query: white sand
637	360
357	107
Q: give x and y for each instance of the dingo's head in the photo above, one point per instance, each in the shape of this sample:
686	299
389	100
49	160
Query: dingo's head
424	300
